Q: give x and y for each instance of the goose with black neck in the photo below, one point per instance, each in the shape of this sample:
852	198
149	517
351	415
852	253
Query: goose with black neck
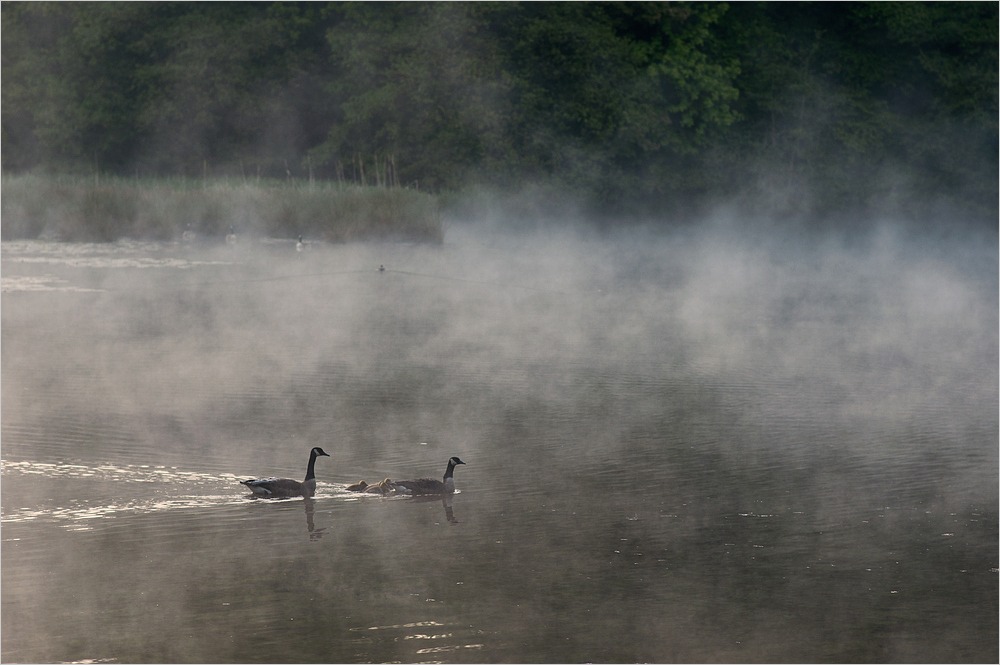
424	486
282	488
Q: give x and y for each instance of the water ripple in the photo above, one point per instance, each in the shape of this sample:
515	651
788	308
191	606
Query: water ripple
127	473
79	514
110	262
121	254
40	283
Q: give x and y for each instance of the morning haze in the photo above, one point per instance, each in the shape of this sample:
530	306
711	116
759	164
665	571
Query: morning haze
723	376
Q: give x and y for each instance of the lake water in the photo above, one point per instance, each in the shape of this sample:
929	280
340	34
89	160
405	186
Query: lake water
702	445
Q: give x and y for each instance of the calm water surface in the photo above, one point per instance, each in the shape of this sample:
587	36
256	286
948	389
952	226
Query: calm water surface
695	447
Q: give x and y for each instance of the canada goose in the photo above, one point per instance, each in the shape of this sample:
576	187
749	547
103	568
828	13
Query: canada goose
429	485
384	488
188	234
357	487
231	238
299	246
286	487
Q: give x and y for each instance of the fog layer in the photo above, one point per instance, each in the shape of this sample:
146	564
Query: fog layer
704	444
882	331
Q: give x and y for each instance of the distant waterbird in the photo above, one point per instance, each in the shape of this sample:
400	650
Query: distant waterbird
275	488
429	485
188	234
381	268
231	237
299	246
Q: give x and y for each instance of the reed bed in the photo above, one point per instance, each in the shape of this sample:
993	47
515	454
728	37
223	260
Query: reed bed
106	209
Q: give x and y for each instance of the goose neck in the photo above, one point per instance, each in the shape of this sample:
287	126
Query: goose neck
311	469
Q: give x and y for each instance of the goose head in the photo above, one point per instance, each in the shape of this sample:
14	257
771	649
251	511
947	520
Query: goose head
449	480
311	469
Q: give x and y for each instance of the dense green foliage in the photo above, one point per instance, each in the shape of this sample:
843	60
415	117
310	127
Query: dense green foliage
811	108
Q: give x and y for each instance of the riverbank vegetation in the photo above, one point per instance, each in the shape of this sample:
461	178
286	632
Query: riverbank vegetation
104	209
803	110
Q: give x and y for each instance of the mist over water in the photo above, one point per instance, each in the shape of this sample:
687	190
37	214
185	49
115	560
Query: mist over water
702	444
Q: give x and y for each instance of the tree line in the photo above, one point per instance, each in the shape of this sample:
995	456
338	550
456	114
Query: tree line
815	108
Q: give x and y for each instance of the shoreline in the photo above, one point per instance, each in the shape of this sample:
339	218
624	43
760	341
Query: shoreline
78	209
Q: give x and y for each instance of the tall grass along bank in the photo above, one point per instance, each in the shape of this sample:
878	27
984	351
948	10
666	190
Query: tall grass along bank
105	209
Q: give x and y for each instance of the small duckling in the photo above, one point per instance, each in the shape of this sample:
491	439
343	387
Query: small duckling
357	487
384	488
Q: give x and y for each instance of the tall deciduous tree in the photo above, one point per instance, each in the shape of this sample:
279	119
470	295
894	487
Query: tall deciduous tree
418	81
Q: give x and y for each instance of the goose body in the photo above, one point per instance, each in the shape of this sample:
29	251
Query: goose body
231	238
286	487
429	485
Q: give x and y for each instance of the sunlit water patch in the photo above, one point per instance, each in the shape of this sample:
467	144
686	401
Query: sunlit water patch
120	254
110	262
429	637
40	283
167	489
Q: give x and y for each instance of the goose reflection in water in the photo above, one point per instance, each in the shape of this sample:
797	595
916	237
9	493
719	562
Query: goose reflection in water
310	507
387	488
314	533
445	499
